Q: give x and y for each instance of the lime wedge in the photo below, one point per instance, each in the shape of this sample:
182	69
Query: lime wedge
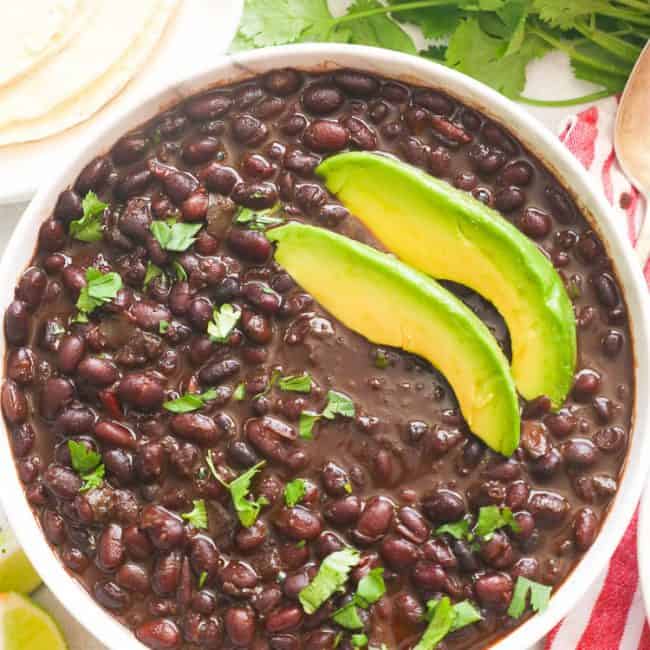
16	572
25	626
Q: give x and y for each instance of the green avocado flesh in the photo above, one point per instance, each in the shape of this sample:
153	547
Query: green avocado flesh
450	235
390	303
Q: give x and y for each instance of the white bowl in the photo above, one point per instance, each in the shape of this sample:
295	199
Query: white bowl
411	69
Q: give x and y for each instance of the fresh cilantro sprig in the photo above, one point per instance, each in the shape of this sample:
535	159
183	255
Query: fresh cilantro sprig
296	383
539	596
175	236
332	576
492	41
87	463
444	618
100	288
369	590
258	219
223	322
198	516
294	492
89	227
152	272
190	401
247	509
337	404
490	519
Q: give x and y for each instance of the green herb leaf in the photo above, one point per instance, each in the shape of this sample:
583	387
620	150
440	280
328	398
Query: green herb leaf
465	614
163	326
224	320
175	236
457	529
359	640
84	460
153	271
240	392
491	518
378	30
179	269
294	491
539	596
348	617
371	587
439	625
296	383
306	424
338	404
93	479
258	220
198	516
190	401
89	227
202	578
381	359
247	509
332	575
100	288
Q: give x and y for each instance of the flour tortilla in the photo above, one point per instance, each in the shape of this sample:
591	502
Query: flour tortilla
84	99
32	31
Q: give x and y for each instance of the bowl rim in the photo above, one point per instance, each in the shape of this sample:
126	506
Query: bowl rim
411	69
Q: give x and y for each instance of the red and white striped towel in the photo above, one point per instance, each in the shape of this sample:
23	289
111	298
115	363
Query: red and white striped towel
611	616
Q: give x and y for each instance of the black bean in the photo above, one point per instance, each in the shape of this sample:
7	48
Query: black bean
209	106
93	175
14	403
129	148
68	207
141	391
326	136
197	428
322	99
17	323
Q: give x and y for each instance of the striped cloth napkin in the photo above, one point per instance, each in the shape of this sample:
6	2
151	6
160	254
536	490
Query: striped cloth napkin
611	616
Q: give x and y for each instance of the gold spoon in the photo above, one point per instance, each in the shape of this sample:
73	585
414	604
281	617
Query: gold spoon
632	139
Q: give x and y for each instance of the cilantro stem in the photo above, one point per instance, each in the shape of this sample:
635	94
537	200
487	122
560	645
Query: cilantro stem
624	14
592	97
635	4
385	9
617	46
578	56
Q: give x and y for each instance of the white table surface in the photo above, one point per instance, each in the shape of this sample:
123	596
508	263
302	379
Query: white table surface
549	77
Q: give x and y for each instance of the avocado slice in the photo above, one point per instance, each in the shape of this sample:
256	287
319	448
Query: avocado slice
450	235
390	303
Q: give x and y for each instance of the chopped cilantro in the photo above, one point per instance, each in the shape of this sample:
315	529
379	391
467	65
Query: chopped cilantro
179	269
198	516
258	219
490	519
359	640
440	624
223	322
539	596
381	359
175	236
348	617
466	614
153	271
332	575
100	288
337	404
247	509
87	463
163	326
240	392
296	383
202	578
89	227
371	587
306	424
294	491
190	401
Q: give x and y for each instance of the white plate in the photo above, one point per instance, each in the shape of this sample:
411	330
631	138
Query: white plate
198	33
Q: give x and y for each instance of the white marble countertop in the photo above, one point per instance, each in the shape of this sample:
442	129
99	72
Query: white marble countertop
552	71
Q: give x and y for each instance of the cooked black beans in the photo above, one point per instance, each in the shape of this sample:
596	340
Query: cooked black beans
154	386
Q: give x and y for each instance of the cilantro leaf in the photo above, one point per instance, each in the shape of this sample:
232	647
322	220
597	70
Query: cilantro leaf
153	271
539	596
296	383
198	516
348	617
89	227
338	404
371	587
465	614
100	288
439	626
202	578
491	518
294	492
240	392
247	509
93	479
306	424
457	529
258	220
84	460
223	322
332	575
190	401
476	53
163	326
359	640
175	236
180	271
435	22
379	30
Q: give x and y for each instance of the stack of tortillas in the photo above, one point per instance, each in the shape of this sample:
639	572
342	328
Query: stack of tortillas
62	60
